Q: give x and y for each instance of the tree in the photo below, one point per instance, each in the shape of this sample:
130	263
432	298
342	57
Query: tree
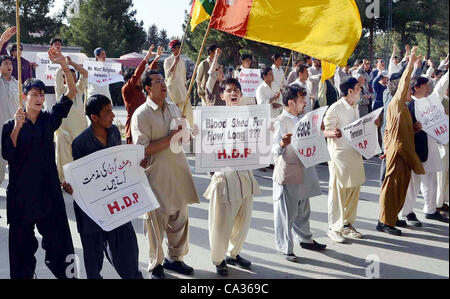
163	40
109	24
152	36
35	26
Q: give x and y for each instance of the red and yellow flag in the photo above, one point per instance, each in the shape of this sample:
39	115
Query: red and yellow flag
201	11
328	30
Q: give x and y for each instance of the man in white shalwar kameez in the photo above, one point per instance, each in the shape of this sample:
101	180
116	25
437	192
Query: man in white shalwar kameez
230	196
9	100
293	185
431	157
175	71
346	165
76	121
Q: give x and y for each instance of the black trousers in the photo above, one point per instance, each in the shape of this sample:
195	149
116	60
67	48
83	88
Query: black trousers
56	241
120	247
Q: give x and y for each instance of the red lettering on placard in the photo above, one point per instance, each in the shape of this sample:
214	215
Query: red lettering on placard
222	155
135	196
127	201
113	207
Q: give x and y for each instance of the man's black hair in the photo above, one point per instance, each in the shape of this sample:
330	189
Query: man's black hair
230	81
292	93
246	56
147	80
95	104
211	49
128	74
417	82
275	56
265	71
4	58
54	40
33	83
348	84
300	69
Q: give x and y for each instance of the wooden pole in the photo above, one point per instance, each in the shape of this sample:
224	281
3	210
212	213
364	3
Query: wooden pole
19	54
184	37
191	85
287	68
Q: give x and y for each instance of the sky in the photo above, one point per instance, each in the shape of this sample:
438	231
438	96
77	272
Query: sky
166	14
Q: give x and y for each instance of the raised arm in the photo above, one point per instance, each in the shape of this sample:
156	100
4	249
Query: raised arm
403	86
56	57
4	39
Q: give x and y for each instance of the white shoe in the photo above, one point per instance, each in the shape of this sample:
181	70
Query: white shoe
336	236
351	232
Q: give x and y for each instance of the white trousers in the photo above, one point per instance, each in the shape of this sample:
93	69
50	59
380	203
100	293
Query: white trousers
342	204
228	224
443	179
427	183
291	218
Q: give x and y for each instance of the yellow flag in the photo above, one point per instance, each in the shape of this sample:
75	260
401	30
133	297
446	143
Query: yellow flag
328	70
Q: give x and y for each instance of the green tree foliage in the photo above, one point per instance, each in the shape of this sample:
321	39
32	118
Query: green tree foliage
110	24
414	22
36	27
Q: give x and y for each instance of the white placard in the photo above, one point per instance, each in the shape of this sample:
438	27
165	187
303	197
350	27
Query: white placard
362	135
250	79
232	138
46	70
433	119
110	186
308	139
103	73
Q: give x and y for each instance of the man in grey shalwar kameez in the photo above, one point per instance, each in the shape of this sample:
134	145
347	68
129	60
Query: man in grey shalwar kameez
293	184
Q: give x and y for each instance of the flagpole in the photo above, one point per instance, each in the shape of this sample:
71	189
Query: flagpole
287	68
191	84
184	37
19	54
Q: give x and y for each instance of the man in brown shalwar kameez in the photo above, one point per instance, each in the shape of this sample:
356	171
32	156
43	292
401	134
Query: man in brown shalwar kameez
401	156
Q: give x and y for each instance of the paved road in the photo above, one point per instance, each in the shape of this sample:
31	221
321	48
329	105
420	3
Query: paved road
419	253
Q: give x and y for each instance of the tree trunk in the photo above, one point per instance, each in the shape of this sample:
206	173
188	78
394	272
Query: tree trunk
428	41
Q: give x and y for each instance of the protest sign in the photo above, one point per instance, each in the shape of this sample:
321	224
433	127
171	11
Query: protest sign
103	73
110	186
46	70
308	139
250	79
431	115
362	135
233	138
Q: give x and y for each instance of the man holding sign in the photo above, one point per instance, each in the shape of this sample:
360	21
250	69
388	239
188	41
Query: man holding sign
120	244
293	185
168	174
230	196
424	111
346	165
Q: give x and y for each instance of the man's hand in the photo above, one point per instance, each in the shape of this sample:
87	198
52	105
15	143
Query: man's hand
159	52
19	118
276	105
378	121
150	53
218	52
6	36
143	163
417	127
286	140
336	134
67	187
56	57
413	58
69	60
418	62
430	63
